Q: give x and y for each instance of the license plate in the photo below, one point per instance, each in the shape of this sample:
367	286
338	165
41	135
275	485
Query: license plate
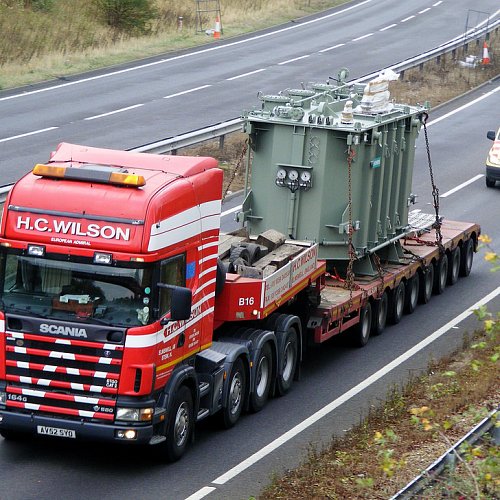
55	431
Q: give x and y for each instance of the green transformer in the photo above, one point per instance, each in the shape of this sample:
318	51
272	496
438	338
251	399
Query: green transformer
333	164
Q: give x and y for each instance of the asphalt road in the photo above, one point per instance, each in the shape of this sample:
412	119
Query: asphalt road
237	463
332	373
164	96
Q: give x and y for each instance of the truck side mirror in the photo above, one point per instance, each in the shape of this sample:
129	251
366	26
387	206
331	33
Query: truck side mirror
180	303
491	135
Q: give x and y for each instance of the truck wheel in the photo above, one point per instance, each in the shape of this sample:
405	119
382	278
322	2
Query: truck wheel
379	314
441	275
288	362
180	427
411	294
235	398
467	257
263	378
361	332
426	284
397	304
454	267
490	182
10	435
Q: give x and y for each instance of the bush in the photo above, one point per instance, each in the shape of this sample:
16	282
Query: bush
133	16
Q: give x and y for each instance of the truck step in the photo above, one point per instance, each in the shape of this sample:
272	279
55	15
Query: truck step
157	439
202	413
204	388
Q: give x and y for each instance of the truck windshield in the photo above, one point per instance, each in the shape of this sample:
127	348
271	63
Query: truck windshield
65	290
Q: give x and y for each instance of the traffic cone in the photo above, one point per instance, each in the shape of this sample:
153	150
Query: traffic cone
217	27
486	55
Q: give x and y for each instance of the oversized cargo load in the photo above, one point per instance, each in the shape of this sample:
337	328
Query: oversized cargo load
327	158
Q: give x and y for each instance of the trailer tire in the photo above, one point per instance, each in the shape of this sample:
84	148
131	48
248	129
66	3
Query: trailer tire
397	304
454	266
426	284
361	332
235	398
379	314
440	275
289	359
467	257
411	294
180	428
263	379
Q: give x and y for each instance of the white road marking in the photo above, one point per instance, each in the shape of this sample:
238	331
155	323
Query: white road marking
388	27
466	183
287	436
465	106
113	112
333	47
362	37
186	91
201	493
406	19
425	10
245	74
437	3
190	54
292	60
28	133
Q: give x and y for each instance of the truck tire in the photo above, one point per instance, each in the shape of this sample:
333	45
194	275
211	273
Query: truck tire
440	275
426	284
10	435
396	304
490	182
220	277
289	357
466	257
361	332
235	398
180	427
263	379
454	266
411	294
379	314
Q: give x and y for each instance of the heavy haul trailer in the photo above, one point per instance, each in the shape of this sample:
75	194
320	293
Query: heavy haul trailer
126	316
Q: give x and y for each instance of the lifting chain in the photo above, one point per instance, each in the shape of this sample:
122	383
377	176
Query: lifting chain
435	190
378	265
236	168
349	280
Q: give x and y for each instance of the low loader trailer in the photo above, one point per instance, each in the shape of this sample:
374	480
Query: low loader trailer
127	316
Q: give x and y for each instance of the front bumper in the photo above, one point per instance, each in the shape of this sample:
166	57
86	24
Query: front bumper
493	173
90	431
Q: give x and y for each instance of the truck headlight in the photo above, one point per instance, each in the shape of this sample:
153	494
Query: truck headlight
135	414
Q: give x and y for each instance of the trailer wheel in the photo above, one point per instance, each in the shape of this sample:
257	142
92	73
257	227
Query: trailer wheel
467	257
441	275
454	267
235	398
426	284
411	294
361	332
180	427
397	304
289	357
379	314
263	379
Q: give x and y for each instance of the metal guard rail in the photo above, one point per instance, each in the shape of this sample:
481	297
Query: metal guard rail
449	457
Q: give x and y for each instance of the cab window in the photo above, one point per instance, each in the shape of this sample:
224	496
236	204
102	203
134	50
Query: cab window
172	272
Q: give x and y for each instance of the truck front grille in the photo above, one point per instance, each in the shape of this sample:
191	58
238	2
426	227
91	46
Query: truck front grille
64	377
